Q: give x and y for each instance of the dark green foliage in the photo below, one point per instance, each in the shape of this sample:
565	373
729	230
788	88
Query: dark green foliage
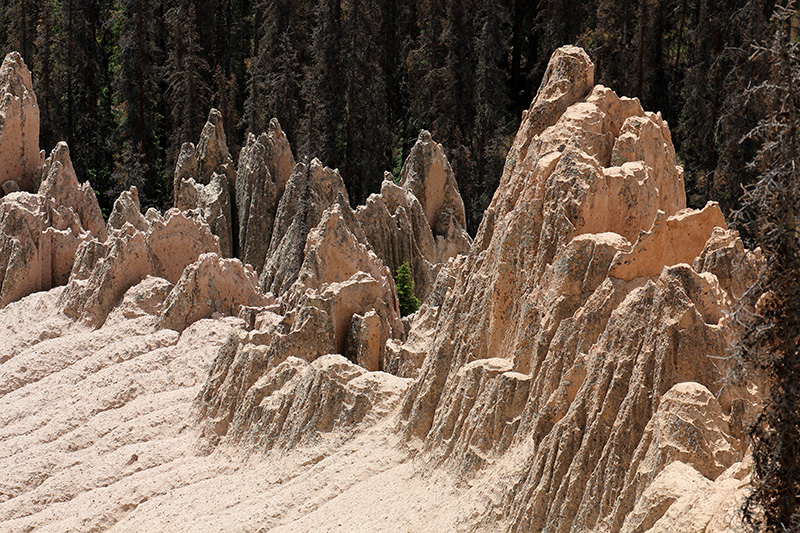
405	290
771	213
352	82
140	87
188	73
281	44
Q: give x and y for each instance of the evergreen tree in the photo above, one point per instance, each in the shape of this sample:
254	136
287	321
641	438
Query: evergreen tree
19	19
739	111
324	87
139	86
367	135
405	290
491	103
276	77
188	74
772	214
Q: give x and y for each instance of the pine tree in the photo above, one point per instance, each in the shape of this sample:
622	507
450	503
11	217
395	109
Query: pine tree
367	135
491	103
739	112
188	74
139	85
276	77
19	18
405	290
772	343
324	87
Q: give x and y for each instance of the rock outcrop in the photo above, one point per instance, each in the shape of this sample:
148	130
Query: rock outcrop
41	233
211	285
205	180
38	241
60	183
20	157
127	210
566	372
311	189
560	340
342	302
420	221
265	166
103	272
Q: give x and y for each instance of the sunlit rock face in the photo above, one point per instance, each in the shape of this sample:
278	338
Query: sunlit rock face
567	371
205	181
577	323
20	157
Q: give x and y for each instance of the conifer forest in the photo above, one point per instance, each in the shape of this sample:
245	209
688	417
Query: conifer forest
126	82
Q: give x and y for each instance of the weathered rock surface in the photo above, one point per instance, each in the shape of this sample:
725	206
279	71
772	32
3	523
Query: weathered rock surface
265	166
211	285
311	189
103	272
205	180
127	210
60	183
343	302
20	157
564	343
566	373
38	241
420	221
41	233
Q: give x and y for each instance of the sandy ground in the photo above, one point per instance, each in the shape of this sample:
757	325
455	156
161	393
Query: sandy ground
98	433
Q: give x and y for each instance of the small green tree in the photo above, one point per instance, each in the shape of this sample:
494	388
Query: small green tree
405	290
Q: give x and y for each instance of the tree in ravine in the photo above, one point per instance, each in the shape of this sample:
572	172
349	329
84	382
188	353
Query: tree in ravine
771	214
405	290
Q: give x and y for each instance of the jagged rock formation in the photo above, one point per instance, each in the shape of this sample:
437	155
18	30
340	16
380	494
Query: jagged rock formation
420	221
35	255
567	373
20	157
575	338
311	189
127	210
211	285
60	183
40	233
342	302
265	166
103	272
205	180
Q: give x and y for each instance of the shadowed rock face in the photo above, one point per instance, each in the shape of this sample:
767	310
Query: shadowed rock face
311	189
265	166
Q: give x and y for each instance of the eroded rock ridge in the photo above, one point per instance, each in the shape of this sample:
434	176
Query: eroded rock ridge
566	371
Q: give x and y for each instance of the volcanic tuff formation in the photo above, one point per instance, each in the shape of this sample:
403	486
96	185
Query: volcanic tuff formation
565	373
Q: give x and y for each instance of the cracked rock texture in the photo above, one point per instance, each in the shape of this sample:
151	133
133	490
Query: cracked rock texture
205	181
